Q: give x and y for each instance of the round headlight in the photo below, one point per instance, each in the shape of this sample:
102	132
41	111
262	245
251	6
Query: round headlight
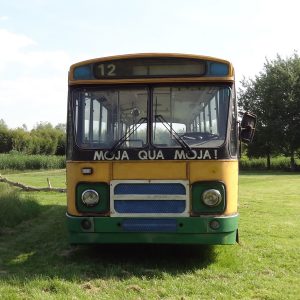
211	197
90	198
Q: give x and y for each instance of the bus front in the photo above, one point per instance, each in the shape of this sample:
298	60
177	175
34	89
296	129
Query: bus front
152	150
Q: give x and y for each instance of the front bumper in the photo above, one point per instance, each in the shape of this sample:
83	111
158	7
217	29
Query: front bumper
185	230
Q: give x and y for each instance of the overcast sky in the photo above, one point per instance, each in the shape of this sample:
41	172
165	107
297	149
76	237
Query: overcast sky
40	39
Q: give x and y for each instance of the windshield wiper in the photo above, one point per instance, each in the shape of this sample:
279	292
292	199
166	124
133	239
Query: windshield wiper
125	137
177	138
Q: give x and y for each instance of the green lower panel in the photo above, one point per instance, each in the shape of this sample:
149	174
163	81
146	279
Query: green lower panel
188	230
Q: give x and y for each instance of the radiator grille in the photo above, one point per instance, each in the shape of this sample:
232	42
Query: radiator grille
149	198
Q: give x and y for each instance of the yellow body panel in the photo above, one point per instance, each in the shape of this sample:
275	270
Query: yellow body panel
217	170
150	170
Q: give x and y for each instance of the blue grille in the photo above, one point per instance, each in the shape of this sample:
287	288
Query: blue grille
150	188
149	206
149	225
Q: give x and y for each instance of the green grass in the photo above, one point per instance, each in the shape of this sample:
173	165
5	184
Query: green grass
15	207
36	261
39	178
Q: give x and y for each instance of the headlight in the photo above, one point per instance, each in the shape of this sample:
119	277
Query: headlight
90	198
211	197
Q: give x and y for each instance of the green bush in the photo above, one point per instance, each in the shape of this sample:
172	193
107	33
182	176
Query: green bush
15	207
277	163
18	161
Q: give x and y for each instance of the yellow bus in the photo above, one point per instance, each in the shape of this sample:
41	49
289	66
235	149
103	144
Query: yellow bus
152	150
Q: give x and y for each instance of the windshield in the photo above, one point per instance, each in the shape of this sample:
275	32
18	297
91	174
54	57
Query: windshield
197	114
104	116
182	116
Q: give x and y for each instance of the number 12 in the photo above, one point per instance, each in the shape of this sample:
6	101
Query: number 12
107	70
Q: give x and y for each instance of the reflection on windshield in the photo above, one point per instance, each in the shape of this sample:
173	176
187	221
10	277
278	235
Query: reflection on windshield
183	117
170	128
103	117
198	114
126	137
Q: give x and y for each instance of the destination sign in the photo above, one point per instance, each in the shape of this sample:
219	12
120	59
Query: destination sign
149	67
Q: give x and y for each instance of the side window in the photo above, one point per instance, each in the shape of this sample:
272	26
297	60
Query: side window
213	114
207	120
103	123
87	116
233	129
93	128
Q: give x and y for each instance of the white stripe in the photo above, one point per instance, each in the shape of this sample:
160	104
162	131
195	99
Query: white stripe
149	197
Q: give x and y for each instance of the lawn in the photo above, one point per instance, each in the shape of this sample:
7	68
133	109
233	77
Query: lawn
36	261
57	178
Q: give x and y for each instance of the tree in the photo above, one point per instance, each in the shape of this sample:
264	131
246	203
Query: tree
21	140
45	137
61	143
3	125
274	95
61	127
5	140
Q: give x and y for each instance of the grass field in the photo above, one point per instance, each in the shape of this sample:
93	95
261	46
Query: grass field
36	261
39	178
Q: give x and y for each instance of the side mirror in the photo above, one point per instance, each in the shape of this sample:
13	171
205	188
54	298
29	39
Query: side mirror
248	125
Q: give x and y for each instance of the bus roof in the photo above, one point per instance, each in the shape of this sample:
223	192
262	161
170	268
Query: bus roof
187	63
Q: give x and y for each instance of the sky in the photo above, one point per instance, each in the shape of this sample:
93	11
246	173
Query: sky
40	39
